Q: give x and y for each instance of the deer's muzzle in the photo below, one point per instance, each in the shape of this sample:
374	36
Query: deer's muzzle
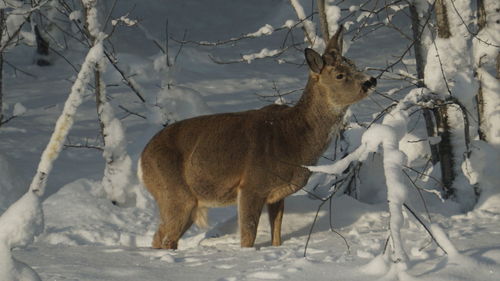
368	84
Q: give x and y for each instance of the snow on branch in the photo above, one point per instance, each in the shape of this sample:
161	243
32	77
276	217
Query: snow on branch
265	30
125	20
264	53
308	26
249	58
388	135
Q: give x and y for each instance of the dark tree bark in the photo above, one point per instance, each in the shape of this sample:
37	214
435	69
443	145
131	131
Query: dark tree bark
481	14
441	113
445	150
443	25
481	23
98	99
42	48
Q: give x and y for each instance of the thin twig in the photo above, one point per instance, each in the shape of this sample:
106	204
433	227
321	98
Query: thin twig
424	174
333	229
84	146
312	227
65	59
3	122
421	195
108	17
425	227
19	69
126	79
131	112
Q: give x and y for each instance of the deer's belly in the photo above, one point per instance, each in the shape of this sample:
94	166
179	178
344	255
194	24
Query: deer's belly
213	191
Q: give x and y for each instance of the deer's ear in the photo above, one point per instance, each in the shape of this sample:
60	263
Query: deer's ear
314	60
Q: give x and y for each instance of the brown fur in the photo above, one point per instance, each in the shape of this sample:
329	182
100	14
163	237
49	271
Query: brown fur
252	158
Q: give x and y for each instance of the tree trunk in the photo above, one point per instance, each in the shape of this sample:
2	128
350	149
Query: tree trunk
445	150
98	99
420	63
481	23
441	114
2	26
480	111
481	15
42	48
443	25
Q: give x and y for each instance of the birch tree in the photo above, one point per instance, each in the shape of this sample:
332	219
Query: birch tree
23	220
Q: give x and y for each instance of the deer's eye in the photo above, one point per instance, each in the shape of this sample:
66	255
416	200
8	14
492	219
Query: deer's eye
340	76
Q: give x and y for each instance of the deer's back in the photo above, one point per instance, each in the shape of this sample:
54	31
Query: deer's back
213	155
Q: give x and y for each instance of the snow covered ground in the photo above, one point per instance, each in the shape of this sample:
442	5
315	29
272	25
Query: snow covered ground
86	237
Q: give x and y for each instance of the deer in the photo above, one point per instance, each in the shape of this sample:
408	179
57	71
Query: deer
253	158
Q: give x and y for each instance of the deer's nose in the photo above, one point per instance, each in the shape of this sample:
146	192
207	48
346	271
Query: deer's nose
372	82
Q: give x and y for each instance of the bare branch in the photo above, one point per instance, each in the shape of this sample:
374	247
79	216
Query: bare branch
3	122
84	146
425	227
127	80
131	112
19	69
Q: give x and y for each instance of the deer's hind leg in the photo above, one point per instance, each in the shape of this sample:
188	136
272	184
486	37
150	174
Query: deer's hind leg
177	214
275	211
176	204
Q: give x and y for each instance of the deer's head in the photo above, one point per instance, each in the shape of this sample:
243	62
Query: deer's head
336	75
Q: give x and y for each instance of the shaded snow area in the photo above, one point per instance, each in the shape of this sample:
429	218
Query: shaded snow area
91	233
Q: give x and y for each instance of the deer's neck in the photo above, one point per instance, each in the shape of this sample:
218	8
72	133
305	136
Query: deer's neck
319	118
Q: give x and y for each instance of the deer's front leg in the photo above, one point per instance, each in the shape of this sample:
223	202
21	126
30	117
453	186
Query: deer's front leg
275	211
249	209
